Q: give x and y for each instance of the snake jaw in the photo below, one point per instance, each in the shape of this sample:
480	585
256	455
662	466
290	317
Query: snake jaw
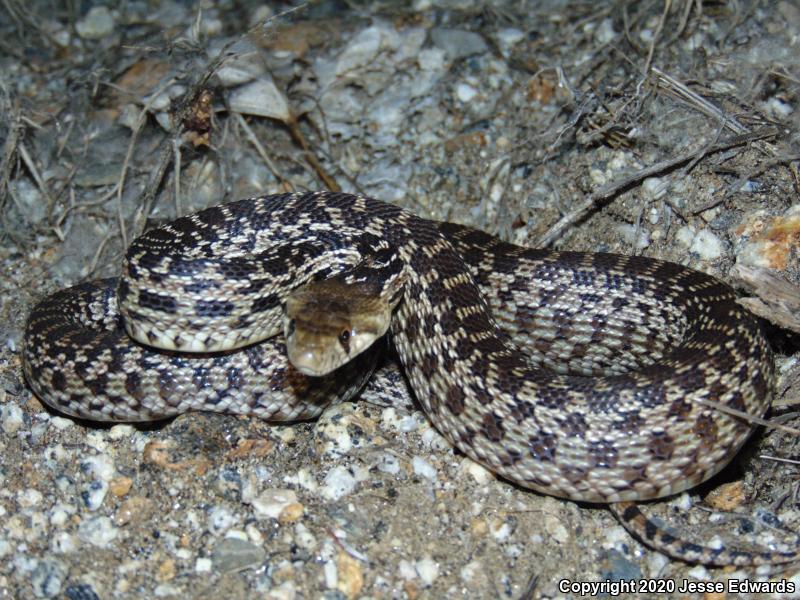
308	362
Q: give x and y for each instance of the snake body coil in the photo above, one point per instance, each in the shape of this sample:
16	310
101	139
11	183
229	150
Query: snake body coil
586	376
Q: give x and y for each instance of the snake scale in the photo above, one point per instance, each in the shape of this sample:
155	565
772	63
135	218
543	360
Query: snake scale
578	375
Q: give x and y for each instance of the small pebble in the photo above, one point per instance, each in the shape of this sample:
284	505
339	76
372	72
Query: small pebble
203	565
400	421
700	573
100	466
48	577
470	571
304	478
82	591
638	237
554	525
423	468
237	534
232	554
291	513
773	240
779	108
270	503
465	92
388	463
11	418
29	497
500	529
428	570
333	431
220	519
605	33
120	432
350	578
431	59
304	538
706	245
60	514
683	502
715	543
727	497
61	423
38	432
341	481
166	590
166	571
509	37
458	43
287	434
98	531
478	526
479	473
97	440
120	486
97	24
64	543
135	509
262	98
331	574
285	591
93	494
406	569
685	236
655	187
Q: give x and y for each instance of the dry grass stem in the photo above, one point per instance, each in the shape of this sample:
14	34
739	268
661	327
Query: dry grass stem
608	191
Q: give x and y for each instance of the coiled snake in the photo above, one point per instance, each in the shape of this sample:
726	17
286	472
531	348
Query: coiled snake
583	376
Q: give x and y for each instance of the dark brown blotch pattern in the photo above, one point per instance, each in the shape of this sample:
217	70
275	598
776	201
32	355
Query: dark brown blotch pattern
661	446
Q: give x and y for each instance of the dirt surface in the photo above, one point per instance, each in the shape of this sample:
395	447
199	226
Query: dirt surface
666	129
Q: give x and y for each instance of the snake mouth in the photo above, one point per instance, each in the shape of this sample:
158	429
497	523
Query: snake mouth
311	362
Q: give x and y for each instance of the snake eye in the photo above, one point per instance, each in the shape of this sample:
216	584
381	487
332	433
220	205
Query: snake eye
290	328
344	338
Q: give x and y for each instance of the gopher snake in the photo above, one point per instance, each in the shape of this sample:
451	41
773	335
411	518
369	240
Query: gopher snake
608	403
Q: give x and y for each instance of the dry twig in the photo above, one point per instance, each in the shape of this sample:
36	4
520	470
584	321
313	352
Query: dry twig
679	90
739	414
120	185
262	152
10	148
613	188
652	48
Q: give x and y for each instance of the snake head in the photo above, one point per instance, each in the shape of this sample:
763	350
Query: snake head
330	322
